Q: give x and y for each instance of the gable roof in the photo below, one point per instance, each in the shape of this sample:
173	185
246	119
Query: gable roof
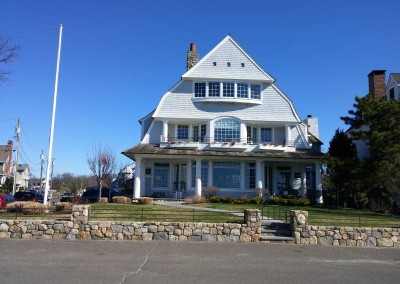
22	167
396	77
228	51
4	153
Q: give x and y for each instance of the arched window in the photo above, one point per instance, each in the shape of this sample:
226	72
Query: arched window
227	130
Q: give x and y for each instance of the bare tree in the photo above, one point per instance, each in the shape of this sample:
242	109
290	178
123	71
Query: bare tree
7	53
102	163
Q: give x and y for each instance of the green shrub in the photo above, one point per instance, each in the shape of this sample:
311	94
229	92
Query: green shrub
288	201
215	199
257	200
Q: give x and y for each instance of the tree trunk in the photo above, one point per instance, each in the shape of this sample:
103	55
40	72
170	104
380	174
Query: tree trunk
100	187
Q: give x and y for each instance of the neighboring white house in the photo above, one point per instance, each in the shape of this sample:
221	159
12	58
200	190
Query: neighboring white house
393	86
23	176
226	124
125	177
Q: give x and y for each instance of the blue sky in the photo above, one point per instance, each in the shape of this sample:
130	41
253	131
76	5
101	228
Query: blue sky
119	57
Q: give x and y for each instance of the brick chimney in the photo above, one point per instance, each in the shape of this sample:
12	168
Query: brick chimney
377	84
192	57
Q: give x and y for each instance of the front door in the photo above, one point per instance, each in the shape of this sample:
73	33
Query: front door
179	178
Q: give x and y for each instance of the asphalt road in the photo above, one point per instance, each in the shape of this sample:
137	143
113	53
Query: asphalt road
37	261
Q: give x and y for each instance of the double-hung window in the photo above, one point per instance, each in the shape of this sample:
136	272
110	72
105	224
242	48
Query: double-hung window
183	132
242	90
255	91
200	90
161	175
199	132
213	89
251	134
266	135
228	89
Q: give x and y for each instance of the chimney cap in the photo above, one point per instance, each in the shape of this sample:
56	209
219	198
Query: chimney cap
192	46
377	72
309	115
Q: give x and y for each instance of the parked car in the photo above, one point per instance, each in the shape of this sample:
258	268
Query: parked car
66	197
5	199
29	195
91	194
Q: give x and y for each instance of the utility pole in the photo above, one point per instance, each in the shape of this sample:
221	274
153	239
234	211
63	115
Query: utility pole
16	158
41	171
52	169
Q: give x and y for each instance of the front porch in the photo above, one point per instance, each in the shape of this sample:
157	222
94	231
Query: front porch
181	177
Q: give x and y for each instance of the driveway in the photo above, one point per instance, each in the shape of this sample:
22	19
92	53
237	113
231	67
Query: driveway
36	261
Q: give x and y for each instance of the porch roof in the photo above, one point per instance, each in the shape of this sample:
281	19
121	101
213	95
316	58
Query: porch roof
153	149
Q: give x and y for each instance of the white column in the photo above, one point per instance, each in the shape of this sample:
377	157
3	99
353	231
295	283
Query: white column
138	167
198	177
189	175
165	131
273	191
210	174
210	132
259	179
190	134
242	176
318	183
243	133
303	183
288	136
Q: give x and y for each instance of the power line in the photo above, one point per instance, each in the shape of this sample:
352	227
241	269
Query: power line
27	139
23	151
5	120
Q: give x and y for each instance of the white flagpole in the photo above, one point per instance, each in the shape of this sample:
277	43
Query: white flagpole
46	190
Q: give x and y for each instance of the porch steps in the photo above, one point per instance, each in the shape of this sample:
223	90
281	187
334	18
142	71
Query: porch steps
273	231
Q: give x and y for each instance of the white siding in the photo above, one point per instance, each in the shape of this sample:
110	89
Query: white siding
279	134
178	104
297	140
155	133
227	52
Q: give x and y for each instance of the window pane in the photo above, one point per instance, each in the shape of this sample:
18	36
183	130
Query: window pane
251	135
250	178
200	90
242	90
161	175
266	135
228	90
183	131
213	89
226	175
227	130
204	174
255	91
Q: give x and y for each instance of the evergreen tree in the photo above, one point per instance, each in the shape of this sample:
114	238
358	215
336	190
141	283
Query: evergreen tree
342	170
377	123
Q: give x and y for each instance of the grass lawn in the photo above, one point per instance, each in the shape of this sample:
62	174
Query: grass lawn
321	215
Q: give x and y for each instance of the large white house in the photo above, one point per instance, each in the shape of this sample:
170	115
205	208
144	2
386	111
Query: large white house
226	124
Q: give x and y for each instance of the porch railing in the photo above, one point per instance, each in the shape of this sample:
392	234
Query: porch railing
209	140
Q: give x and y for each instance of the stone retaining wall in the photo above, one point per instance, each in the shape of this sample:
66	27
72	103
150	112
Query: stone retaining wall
341	236
81	228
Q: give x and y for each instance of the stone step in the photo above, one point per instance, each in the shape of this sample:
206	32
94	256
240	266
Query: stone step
276	239
276	232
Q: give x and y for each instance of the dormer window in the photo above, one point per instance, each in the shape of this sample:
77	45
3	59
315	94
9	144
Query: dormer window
255	91
228	89
213	89
200	90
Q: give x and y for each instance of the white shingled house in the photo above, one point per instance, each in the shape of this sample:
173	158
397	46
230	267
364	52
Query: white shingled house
226	124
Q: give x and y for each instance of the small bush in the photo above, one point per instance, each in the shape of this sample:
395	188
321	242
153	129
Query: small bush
64	206
145	200
288	201
209	192
121	200
104	200
257	200
27	207
195	200
260	192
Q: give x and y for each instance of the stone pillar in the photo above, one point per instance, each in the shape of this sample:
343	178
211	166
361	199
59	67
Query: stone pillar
298	223
318	183
138	166
198	177
80	214
252	218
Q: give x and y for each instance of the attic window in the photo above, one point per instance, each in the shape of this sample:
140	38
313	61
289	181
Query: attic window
228	64
242	64
215	63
